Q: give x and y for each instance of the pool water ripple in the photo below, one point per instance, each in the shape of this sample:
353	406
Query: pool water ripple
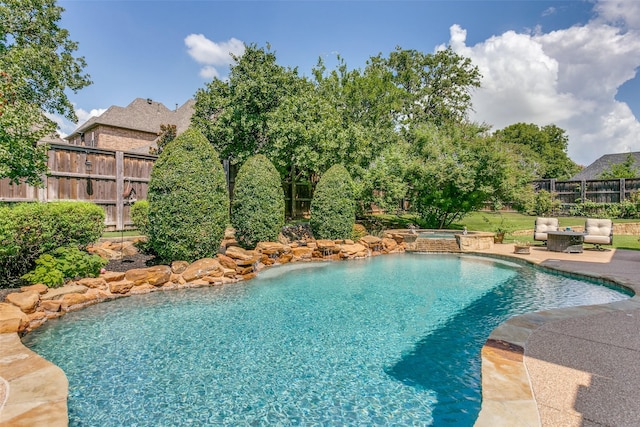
391	340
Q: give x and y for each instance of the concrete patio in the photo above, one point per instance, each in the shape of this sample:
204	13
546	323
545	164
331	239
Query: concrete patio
567	367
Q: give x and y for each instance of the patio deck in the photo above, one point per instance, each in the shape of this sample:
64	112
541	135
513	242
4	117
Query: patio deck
567	367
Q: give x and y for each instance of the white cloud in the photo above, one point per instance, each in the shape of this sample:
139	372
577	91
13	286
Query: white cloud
209	72
83	115
567	77
66	127
622	13
212	54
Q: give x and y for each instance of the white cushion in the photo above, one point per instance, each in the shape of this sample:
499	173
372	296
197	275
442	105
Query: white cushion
598	231
544	225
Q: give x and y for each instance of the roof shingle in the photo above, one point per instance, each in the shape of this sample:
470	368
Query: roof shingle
143	115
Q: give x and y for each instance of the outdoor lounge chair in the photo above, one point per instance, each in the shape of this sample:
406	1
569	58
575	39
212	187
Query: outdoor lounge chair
542	226
598	232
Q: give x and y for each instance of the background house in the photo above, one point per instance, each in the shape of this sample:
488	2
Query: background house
105	161
133	128
604	163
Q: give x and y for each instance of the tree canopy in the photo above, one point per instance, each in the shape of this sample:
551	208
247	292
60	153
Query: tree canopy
400	127
37	66
547	145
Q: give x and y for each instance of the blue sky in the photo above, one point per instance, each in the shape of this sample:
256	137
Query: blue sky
571	63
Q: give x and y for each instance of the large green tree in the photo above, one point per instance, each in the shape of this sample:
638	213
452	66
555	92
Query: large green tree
547	146
37	66
234	114
454	170
437	87
373	121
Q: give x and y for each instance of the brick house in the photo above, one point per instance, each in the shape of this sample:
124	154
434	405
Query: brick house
133	128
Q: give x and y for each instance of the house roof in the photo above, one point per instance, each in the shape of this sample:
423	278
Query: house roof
141	114
594	170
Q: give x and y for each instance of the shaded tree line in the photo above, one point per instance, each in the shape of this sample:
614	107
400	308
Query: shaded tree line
400	126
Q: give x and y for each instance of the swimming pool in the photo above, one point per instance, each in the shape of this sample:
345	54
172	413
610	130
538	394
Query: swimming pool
386	340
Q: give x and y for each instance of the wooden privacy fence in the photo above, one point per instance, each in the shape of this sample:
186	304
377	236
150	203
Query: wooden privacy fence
597	190
108	178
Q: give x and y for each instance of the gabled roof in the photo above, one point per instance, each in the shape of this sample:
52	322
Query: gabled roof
143	115
604	163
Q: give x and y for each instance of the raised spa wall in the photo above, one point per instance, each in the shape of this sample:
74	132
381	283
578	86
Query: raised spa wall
461	242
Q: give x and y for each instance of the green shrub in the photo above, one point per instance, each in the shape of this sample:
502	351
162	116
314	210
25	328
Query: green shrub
28	230
596	210
630	207
257	209
64	264
140	216
188	200
333	210
359	231
545	203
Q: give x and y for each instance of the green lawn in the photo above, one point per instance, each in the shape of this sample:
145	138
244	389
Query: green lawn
121	233
477	221
510	221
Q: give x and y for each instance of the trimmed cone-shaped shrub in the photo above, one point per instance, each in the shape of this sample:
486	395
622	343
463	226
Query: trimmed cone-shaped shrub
333	209
257	209
188	200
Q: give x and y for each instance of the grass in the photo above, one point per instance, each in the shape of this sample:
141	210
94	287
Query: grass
476	221
510	222
126	233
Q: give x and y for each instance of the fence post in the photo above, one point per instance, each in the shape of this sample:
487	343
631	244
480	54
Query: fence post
552	185
119	190
622	190
583	190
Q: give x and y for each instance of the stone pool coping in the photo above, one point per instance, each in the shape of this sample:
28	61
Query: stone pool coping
565	366
520	386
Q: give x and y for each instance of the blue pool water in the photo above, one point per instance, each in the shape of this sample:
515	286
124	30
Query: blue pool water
438	234
391	340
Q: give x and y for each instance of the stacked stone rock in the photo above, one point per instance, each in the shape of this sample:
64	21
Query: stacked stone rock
34	305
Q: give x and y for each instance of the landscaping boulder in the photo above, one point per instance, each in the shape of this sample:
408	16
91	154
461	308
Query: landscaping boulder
57	293
12	319
93	282
156	275
120	287
227	262
201	268
27	302
39	288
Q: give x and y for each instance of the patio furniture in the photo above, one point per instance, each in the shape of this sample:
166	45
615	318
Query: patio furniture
543	226
598	232
565	241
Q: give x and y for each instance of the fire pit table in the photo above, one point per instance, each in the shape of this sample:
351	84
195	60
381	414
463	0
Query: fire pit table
565	241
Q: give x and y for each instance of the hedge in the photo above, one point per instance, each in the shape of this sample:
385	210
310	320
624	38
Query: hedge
28	230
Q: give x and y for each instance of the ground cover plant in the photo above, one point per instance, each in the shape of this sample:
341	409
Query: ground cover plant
63	264
188	200
257	208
